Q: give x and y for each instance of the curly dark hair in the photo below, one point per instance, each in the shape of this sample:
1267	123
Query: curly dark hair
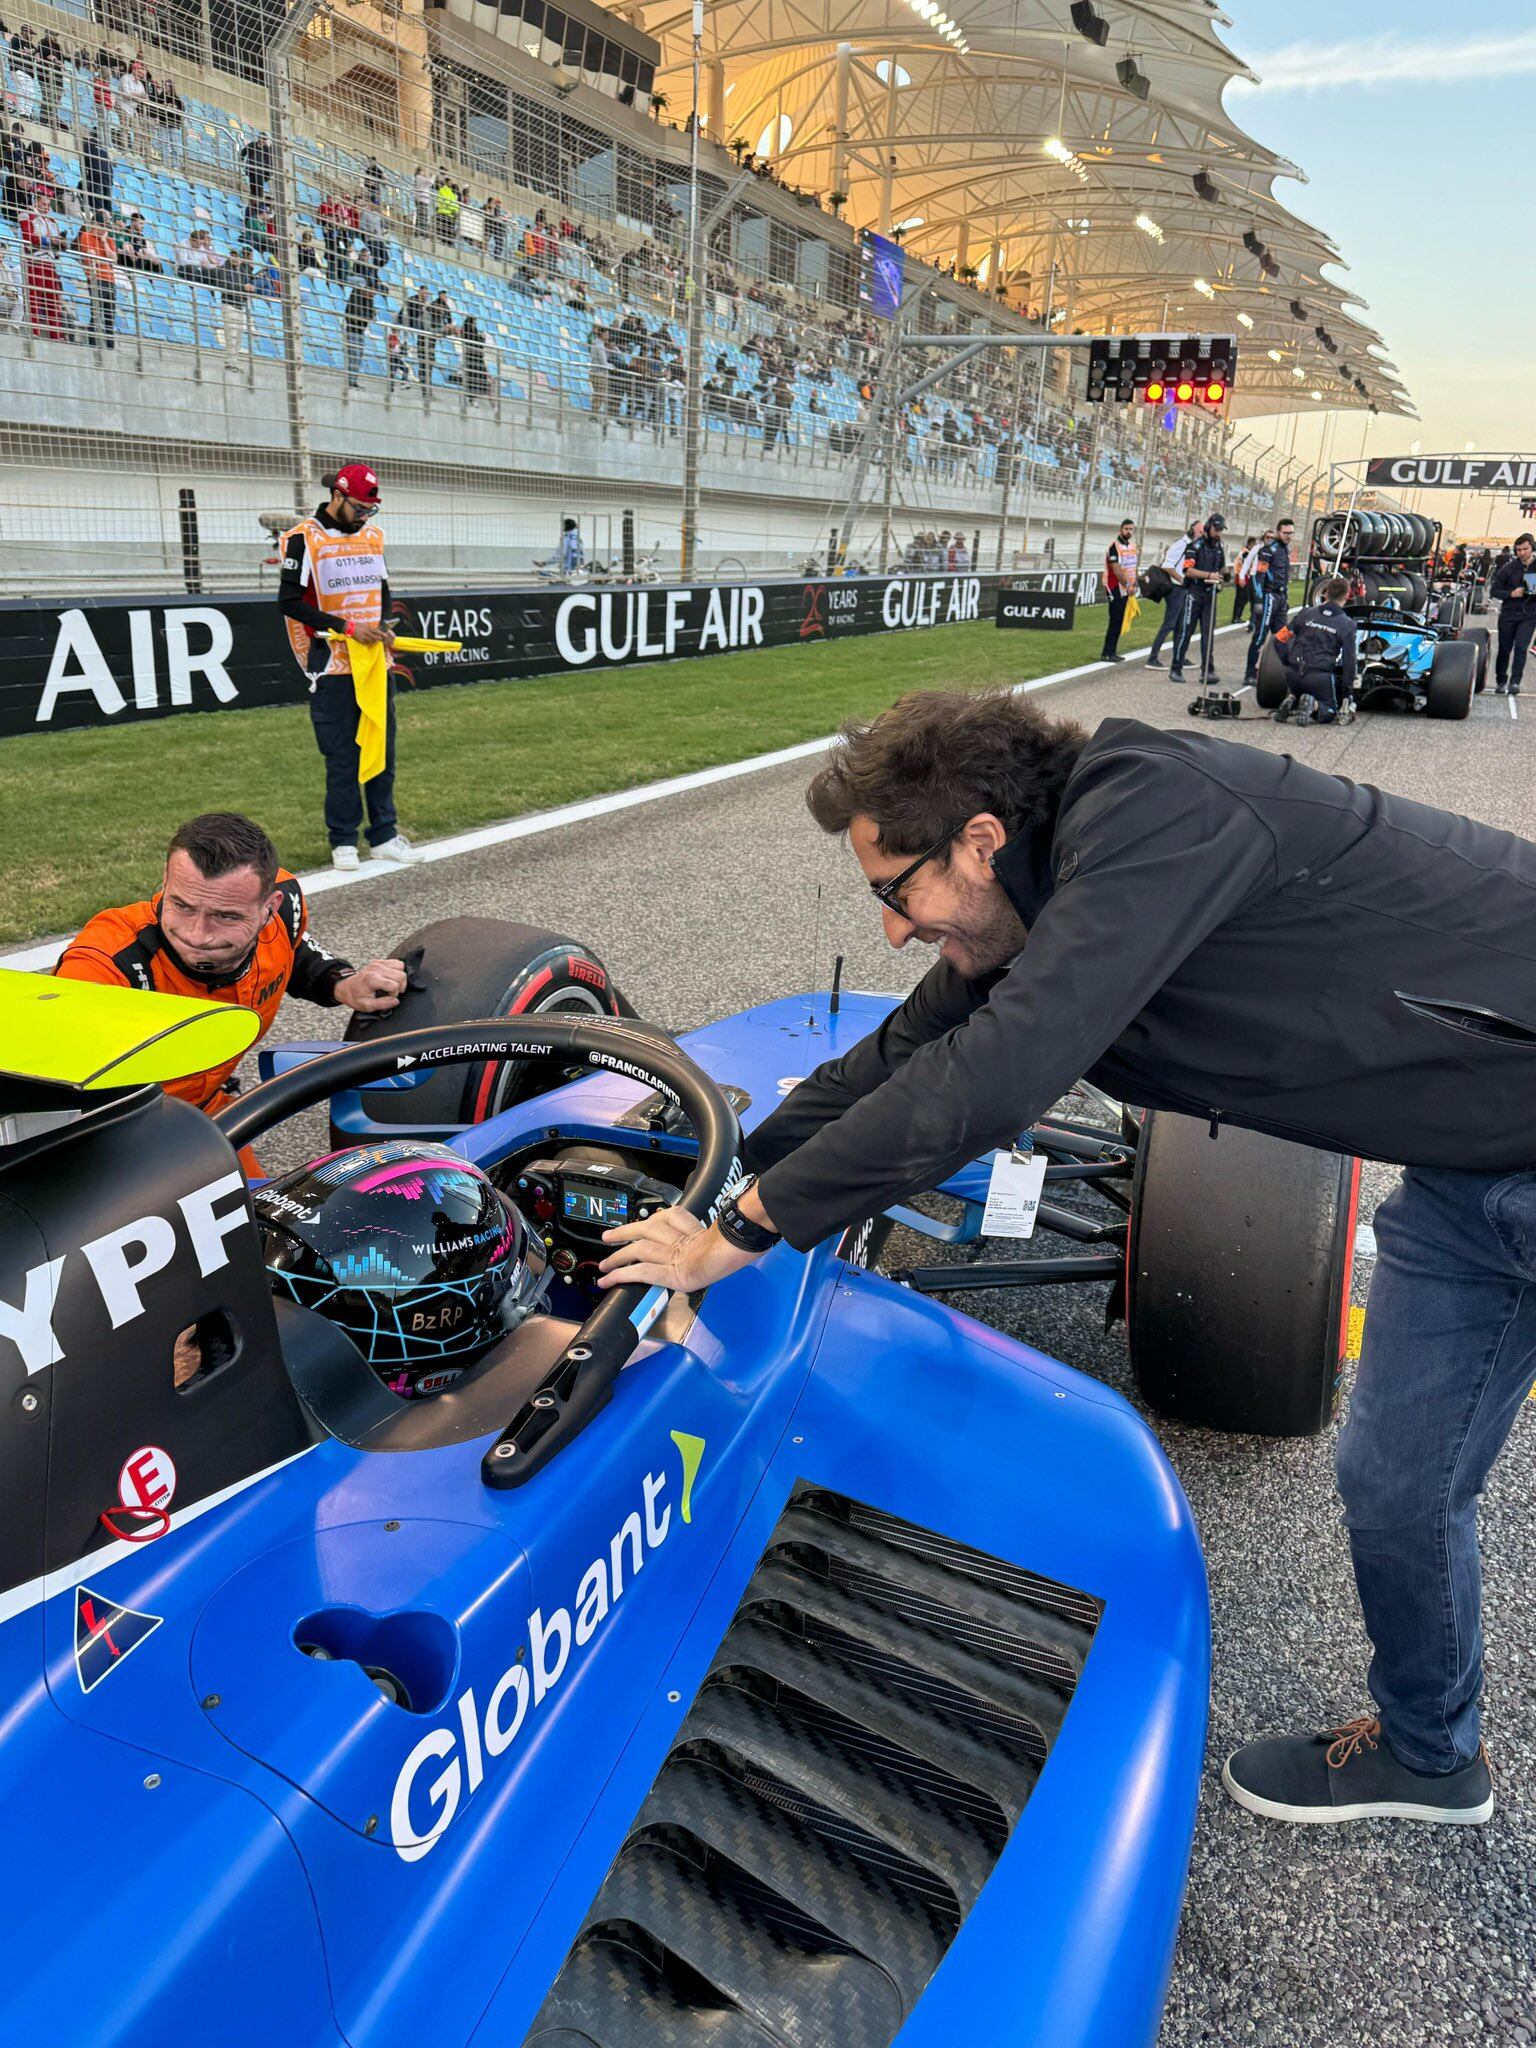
940	757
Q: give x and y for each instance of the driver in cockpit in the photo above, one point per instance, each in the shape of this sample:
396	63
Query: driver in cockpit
410	1249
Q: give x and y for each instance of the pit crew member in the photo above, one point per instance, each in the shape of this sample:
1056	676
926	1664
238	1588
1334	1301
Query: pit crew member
1226	932
1173	604
1119	581
1271	592
1242	574
1512	589
228	925
1205	562
333	579
1318	649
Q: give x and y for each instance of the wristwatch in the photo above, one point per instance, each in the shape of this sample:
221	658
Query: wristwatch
741	1231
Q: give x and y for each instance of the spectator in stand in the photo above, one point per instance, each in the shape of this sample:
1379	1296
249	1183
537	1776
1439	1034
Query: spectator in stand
495	229
308	254
15	194
10	288
195	258
959	555
440	323
598	364
373	182
370	222
133	102
776	414
103	102
256	163
394	350
476	379
25	93
338	227
259	230
98	255
447	205
424	195
414	312
95	174
357	317
572	553
235	279
50	80
42	239
168	116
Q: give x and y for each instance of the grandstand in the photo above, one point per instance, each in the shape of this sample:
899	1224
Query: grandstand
503	186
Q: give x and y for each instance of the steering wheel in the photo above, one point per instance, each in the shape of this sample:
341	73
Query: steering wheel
581	1380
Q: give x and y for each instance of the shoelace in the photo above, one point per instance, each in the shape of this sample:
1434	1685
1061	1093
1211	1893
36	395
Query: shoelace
1349	1740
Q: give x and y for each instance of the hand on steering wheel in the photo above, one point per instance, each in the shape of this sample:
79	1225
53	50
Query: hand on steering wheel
670	1249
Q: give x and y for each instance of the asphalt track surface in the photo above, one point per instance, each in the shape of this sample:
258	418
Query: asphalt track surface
1390	1932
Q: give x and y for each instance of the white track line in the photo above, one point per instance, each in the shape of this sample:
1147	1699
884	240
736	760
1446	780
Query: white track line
33	958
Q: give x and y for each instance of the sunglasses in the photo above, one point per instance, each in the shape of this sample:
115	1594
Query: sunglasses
888	893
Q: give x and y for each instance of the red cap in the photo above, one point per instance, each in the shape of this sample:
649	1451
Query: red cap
358	481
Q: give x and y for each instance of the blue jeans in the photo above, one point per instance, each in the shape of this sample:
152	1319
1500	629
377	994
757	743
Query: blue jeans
1448	1359
1173	612
333	713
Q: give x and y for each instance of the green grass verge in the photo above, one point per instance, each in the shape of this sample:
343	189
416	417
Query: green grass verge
85	816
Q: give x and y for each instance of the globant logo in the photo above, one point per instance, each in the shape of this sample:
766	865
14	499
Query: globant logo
421	1809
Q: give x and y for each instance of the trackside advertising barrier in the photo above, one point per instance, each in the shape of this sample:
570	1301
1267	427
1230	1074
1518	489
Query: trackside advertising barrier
118	661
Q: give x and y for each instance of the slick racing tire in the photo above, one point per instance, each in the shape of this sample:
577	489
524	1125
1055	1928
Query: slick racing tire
1477	636
1274	682
462	968
1238	1266
1452	680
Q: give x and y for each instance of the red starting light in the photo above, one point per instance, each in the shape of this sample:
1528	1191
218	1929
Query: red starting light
1156	392
1184	392
1215	391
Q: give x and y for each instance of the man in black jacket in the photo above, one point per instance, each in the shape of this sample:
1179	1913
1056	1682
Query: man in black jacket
1210	928
1516	599
1204	566
1318	648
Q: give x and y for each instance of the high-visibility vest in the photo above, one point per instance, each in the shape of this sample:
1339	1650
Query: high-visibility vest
345	574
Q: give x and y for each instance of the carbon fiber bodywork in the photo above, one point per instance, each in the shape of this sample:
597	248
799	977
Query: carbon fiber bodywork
869	1733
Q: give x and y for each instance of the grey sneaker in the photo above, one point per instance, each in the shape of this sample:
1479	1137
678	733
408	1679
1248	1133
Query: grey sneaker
1350	1773
345	858
1306	708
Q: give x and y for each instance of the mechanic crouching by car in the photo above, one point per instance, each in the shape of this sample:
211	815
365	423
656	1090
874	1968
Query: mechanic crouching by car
1225	932
230	926
1318	649
1514	589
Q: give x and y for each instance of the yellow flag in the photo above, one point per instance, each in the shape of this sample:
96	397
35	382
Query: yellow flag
1132	607
370	684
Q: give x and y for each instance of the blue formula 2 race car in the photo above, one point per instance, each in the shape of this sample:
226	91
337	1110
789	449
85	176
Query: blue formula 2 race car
1405	661
798	1663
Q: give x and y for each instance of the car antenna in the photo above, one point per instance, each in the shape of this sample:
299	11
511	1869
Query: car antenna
815	956
837	987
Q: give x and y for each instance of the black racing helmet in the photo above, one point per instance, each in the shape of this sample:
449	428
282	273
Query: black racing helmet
407	1247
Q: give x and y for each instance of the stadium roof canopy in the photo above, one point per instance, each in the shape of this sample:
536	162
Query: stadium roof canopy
1003	138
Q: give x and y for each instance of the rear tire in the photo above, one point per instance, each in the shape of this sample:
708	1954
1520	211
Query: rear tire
463	968
1273	683
1238	1266
1452	680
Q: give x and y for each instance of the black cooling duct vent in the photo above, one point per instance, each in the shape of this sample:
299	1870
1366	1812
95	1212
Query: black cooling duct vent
868	1735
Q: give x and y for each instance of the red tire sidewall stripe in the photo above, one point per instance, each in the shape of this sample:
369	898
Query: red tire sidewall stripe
515	1008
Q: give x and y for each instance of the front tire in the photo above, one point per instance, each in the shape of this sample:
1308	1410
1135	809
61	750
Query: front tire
462	968
1273	684
1238	1266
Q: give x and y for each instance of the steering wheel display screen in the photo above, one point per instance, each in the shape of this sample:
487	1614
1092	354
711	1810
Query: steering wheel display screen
595	1205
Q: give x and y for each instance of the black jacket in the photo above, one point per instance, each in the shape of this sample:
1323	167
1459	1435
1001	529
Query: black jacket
1213	929
1322	642
1509	582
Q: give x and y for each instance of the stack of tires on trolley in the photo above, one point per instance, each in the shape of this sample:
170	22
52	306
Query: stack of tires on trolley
1391	551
